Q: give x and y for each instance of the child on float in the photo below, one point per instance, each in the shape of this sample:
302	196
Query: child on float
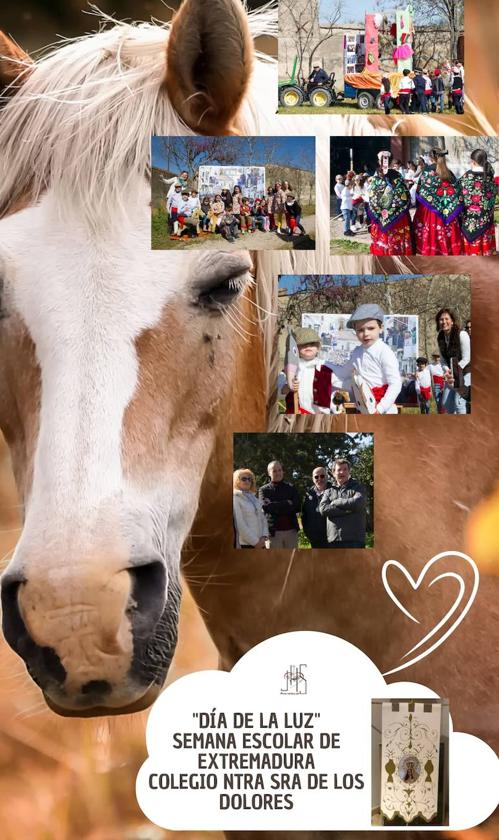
372	366
423	384
314	380
436	224
478	191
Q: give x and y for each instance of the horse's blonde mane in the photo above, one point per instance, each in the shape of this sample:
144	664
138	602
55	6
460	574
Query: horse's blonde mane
83	119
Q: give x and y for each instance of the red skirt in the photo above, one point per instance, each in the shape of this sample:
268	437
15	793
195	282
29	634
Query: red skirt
484	246
394	242
433	238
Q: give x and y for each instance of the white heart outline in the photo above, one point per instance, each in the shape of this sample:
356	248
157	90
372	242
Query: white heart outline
415	585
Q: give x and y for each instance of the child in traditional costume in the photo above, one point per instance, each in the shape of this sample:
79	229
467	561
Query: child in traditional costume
423	384
479	195
437	378
312	381
388	211
439	203
372	371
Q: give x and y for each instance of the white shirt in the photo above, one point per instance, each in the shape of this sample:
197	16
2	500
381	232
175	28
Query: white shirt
465	343
194	202
338	189
346	199
377	365
423	379
436	370
173	200
406	85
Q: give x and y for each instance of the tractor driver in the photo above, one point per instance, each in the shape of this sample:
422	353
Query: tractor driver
318	76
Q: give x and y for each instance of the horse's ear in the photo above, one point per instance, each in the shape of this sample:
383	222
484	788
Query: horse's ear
209	61
13	64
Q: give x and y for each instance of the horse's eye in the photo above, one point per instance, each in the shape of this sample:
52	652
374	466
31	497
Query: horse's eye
221	295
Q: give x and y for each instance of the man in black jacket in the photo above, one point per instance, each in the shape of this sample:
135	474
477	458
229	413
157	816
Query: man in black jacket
314	523
419	92
318	76
281	502
344	506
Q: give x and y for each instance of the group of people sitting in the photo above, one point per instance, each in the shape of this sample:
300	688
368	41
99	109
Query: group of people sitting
332	512
371	379
230	213
422	92
453	215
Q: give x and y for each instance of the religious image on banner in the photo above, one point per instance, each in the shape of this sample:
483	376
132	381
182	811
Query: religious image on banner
410	755
400	332
214	179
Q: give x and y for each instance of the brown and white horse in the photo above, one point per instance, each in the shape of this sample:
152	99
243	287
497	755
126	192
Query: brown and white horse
125	371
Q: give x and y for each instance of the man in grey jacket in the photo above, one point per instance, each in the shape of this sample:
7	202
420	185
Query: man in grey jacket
344	506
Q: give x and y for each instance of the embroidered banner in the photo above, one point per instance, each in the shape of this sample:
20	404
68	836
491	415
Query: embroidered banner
409	760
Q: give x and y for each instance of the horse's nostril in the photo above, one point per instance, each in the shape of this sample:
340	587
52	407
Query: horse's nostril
100	687
13	624
41	662
149	582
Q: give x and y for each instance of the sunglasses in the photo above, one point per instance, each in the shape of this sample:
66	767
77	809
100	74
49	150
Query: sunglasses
245	478
321	475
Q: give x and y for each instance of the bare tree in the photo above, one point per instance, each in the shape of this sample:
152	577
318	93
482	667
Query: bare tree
190	153
303	22
448	12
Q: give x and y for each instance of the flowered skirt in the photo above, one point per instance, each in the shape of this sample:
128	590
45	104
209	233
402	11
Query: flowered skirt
433	238
394	242
484	246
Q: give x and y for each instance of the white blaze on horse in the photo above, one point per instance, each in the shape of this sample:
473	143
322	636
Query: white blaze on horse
117	363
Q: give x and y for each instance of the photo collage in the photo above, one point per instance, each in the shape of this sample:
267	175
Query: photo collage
250	557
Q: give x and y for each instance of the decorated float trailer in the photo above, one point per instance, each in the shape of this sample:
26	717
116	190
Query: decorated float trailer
361	64
362	74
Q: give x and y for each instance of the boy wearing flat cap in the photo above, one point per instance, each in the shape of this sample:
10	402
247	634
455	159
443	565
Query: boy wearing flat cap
372	371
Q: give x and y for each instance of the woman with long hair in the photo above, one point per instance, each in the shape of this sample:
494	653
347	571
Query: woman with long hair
250	522
455	357
479	197
388	211
439	203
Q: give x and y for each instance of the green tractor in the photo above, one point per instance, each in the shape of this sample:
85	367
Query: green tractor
293	91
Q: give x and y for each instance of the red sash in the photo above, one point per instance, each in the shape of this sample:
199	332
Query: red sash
438	380
425	392
378	392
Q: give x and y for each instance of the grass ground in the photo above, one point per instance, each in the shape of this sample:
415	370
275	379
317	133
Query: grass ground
307	109
344	247
160	237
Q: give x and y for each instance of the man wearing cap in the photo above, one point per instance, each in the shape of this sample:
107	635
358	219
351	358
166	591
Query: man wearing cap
314	379
281	502
372	371
318	76
313	522
344	507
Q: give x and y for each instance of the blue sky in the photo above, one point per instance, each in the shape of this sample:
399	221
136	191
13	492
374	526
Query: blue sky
352	9
291	282
287	151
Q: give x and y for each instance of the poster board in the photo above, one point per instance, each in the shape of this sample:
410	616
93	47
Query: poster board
214	179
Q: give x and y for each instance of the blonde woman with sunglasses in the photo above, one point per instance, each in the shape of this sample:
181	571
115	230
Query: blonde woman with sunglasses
250	522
